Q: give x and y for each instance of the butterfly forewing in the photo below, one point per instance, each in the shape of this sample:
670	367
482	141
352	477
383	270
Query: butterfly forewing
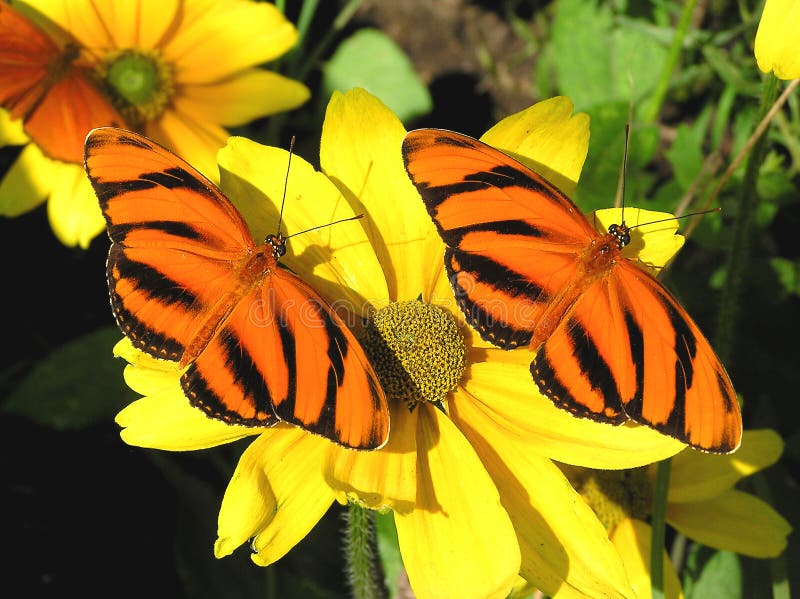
506	255
527	267
188	283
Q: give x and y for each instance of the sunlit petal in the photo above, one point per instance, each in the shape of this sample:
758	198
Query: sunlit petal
776	39
696	476
734	521
73	209
457	504
27	183
632	539
565	548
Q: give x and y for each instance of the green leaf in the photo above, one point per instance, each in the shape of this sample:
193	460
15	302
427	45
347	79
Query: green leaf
788	273
389	551
711	574
600	58
77	385
370	59
686	154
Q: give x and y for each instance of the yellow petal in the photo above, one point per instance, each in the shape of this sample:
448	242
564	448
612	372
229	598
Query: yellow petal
216	38
696	476
73	209
655	244
565	548
166	420
103	25
632	539
360	152
193	139
458	541
733	521
27	182
246	96
11	131
776	39
338	260
501	384
383	478
277	494
547	138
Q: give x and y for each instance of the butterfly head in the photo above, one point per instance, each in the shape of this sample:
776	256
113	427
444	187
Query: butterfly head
621	233
278	244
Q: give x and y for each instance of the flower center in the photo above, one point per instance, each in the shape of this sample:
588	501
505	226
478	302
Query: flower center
139	82
617	494
416	350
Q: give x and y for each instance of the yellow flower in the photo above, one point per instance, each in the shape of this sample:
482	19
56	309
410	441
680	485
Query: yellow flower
473	505
776	39
702	504
159	63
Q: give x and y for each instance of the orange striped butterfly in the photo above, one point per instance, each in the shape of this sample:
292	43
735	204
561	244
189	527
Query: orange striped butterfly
528	269
255	343
45	85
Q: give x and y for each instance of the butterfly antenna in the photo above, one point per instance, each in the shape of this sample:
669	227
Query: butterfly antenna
336	222
687	215
286	184
619	200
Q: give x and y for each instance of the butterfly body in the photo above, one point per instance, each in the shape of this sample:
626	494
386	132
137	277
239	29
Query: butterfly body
527	268
255	344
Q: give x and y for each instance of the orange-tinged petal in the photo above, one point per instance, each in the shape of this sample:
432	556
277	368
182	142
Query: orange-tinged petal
218	38
546	137
338	260
277	494
249	95
73	210
458	541
565	548
27	182
733	521
360	152
632	539
383	478
501	383
776	39
696	476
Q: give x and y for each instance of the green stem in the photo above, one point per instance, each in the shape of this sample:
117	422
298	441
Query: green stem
727	315
363	563
653	108
659	525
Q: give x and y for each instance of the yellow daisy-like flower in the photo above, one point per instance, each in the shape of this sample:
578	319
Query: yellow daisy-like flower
702	504
159	64
776	39
473	504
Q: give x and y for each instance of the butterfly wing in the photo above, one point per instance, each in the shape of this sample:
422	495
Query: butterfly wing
512	238
42	84
288	348
629	348
269	346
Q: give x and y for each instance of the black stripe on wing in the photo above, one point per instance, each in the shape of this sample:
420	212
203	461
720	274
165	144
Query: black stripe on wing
491	328
213	393
157	288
